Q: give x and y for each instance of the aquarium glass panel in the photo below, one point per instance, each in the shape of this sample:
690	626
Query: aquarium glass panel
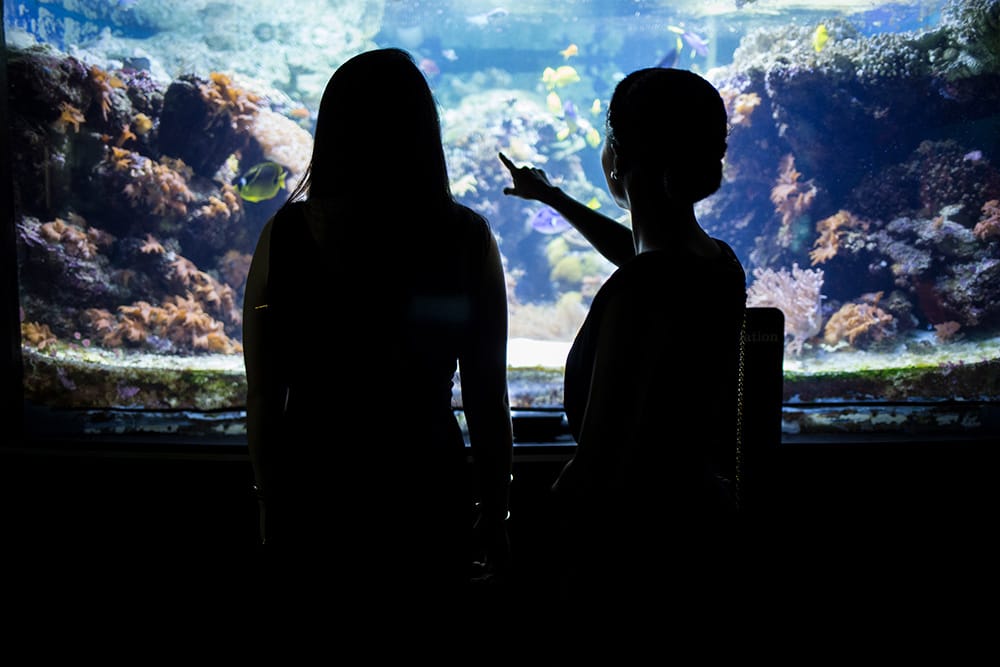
152	139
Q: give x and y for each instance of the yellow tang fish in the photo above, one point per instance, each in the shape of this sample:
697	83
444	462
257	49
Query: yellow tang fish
593	137
261	181
820	37
570	51
563	75
595	108
554	104
594	203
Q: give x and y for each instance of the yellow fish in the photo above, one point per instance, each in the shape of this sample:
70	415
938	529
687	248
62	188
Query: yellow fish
554	104
593	137
595	108
556	78
594	203
820	37
562	134
262	181
570	51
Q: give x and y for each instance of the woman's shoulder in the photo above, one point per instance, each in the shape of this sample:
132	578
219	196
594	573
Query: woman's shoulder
472	226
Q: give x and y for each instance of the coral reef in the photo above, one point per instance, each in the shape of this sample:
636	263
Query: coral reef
989	226
857	323
791	198
798	294
831	231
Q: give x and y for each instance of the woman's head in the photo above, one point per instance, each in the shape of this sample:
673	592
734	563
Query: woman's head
668	128
378	131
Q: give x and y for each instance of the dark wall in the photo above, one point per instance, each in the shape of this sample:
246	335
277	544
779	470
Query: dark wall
844	491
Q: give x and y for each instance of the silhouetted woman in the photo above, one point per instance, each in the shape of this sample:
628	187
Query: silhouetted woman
650	383
368	289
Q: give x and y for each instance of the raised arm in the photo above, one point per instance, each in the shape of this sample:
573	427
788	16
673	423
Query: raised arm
608	236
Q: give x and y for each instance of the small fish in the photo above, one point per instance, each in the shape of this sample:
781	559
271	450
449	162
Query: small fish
429	67
973	156
483	20
569	112
261	181
674	55
820	37
553	103
449	55
548	221
559	77
594	204
593	137
698	44
595	108
570	51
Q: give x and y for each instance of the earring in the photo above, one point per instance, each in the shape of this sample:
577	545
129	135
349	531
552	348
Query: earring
614	175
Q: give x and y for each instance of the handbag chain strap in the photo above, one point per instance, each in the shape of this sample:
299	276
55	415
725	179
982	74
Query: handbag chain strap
739	412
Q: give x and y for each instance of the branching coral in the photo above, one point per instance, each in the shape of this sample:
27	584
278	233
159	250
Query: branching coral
989	226
790	197
831	230
854	320
797	294
159	187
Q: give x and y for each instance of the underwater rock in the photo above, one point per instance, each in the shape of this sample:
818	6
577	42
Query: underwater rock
194	130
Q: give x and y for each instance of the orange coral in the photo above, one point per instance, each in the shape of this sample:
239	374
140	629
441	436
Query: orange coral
105	83
790	197
69	115
73	239
224	207
830	231
946	330
160	186
857	319
152	246
739	106
126	135
224	96
179	320
989	226
37	335
206	290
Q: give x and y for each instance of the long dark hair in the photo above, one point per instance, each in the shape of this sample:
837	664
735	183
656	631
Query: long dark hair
378	138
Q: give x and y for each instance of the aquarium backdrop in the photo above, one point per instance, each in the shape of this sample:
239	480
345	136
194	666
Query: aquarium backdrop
151	139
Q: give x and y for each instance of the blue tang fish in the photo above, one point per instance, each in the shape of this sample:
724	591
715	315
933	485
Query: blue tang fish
547	221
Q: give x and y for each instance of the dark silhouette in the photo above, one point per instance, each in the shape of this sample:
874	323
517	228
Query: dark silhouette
651	379
369	288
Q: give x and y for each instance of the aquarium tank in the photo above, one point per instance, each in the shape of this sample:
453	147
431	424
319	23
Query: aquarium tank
150	140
